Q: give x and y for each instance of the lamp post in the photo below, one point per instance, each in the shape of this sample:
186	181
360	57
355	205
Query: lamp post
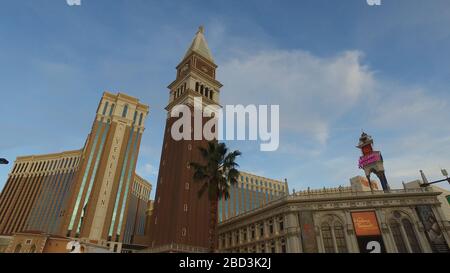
3	161
425	180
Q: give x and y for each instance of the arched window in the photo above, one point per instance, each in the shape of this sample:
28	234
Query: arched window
412	239
207	92
333	235
33	249
18	248
283	246
272	247
327	238
140	119
201	89
111	109
340	238
196	86
135	117
125	111
210	94
105	108
398	238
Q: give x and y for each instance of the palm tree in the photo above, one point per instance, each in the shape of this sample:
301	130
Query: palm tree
217	174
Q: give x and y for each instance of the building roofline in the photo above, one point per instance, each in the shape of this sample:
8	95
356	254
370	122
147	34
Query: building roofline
332	196
51	155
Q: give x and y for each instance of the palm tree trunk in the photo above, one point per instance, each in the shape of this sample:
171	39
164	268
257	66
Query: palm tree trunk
213	226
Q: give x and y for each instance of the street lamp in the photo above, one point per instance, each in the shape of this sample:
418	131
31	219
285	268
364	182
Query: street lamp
425	180
3	161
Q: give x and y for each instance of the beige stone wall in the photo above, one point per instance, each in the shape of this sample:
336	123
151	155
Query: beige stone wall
242	233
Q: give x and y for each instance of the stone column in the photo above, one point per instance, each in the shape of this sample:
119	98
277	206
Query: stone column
350	236
421	236
292	228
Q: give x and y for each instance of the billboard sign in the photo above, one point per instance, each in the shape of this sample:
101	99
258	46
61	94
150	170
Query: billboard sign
432	230
368	233
365	223
369	159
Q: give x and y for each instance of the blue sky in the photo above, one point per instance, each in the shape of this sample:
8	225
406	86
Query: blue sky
334	67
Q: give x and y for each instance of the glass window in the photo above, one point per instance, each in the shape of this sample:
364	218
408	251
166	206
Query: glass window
272	247
398	238
231	199
105	108
140	119
283	246
111	109
340	238
125	111
327	238
220	208
135	117
225	203
413	242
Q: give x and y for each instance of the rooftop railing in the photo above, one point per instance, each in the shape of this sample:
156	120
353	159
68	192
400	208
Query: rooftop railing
330	193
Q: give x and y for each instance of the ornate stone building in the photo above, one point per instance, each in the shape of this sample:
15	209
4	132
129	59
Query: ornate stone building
341	220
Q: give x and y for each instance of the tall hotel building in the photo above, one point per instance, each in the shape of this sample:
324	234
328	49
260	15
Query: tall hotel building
137	211
180	218
249	193
84	193
37	191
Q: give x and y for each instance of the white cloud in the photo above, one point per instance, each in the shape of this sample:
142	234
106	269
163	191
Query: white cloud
317	95
402	107
147	170
312	91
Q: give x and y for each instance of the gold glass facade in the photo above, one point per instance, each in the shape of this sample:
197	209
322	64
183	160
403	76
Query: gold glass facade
138	205
249	193
36	193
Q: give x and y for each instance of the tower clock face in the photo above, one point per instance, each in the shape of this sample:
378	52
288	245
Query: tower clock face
367	150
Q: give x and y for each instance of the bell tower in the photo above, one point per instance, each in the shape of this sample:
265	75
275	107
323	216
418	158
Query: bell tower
180	217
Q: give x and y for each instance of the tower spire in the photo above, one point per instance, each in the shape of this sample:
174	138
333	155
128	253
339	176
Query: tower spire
200	46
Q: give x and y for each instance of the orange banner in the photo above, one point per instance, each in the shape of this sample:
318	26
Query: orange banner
365	223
